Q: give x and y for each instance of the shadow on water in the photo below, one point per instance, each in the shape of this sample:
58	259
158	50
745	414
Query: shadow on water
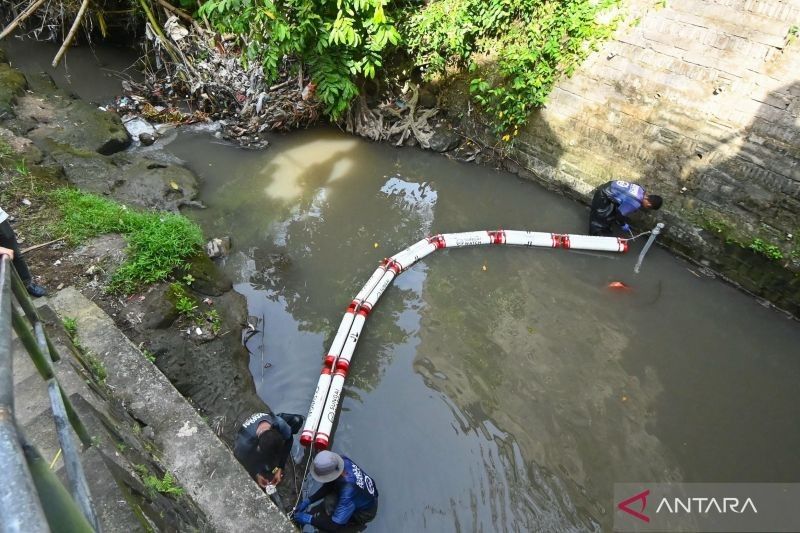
735	376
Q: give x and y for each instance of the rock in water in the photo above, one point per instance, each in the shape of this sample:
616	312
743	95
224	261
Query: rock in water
444	139
146	139
217	247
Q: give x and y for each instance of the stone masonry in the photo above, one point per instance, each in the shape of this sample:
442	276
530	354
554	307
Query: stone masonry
698	101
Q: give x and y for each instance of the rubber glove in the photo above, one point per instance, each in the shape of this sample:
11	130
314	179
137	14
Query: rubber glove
302	506
302	518
627	228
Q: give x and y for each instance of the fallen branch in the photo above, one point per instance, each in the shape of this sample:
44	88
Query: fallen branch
280	85
71	35
48	243
22	16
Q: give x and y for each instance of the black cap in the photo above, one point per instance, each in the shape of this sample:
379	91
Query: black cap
270	444
655	201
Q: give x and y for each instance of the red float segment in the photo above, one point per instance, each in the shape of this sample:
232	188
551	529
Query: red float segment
438	241
394	266
328	363
364	310
560	240
343	365
498	237
321	442
623	245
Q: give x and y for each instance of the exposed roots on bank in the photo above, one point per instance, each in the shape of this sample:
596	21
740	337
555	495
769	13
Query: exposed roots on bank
399	121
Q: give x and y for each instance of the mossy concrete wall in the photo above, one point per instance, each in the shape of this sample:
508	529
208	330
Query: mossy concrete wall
698	100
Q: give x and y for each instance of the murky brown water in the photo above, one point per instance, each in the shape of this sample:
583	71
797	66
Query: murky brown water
504	399
94	74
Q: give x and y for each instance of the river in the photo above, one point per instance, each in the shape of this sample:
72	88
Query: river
493	389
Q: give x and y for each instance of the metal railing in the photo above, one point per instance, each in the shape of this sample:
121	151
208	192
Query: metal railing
32	499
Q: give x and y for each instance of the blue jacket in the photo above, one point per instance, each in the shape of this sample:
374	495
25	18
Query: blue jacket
626	195
356	491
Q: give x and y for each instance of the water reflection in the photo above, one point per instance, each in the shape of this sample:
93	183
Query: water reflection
308	166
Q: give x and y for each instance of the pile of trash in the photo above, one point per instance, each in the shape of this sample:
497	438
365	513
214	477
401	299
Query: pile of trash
196	75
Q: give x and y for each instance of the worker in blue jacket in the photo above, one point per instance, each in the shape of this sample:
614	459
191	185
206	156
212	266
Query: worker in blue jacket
351	498
614	201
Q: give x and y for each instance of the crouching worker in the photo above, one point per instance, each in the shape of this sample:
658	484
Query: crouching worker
263	444
351	498
614	201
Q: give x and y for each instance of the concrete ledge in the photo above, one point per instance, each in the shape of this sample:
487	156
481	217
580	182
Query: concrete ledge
202	464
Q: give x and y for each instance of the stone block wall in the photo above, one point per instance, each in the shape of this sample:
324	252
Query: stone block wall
698	100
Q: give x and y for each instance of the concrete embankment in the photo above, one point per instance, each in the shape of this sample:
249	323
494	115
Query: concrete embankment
185	444
142	427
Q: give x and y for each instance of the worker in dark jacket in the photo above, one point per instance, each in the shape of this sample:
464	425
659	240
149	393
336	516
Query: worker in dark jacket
9	240
351	498
614	201
263	444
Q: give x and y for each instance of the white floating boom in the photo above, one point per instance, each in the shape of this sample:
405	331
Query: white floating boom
324	404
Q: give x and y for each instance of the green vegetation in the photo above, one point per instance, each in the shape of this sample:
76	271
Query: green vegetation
6	152
35	185
515	50
187	306
518	49
96	367
791	35
22	168
71	325
337	41
214	320
167	485
715	223
150	356
766	249
185	303
158	243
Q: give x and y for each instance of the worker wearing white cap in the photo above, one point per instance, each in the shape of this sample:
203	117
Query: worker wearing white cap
351	497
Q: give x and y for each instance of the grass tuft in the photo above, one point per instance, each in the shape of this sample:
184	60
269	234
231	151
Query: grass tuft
158	243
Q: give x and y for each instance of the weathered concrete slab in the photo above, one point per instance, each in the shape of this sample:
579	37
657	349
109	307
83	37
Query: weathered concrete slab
199	460
113	511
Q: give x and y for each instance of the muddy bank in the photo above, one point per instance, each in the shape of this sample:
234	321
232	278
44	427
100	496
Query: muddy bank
61	140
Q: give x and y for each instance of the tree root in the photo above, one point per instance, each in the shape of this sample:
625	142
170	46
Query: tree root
398	121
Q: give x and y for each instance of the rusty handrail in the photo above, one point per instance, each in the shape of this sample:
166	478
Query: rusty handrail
20	493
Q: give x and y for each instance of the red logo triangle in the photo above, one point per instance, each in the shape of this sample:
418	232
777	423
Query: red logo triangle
624	506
